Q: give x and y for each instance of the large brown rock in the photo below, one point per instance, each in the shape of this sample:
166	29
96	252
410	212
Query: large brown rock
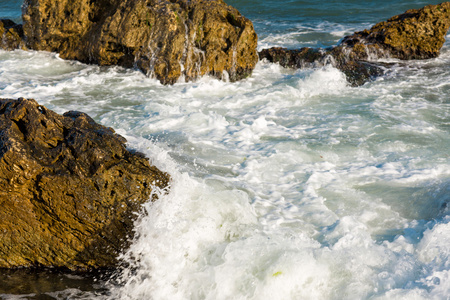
165	39
69	189
416	34
11	35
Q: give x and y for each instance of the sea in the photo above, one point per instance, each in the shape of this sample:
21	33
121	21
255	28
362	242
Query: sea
290	184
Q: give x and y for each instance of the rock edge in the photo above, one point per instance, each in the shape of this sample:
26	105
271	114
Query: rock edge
69	189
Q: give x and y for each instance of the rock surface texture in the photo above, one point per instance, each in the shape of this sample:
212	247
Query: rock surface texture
69	189
416	34
166	39
11	35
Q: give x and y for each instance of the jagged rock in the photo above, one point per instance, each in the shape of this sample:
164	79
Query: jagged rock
356	72
416	34
296	59
11	35
69	189
165	39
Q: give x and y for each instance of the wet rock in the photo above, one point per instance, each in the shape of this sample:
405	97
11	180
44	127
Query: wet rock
356	72
69	189
166	39
11	35
416	34
42	282
297	59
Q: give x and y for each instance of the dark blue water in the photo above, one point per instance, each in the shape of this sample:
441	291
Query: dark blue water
11	9
278	17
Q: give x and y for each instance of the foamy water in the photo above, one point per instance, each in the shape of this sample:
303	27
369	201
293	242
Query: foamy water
286	185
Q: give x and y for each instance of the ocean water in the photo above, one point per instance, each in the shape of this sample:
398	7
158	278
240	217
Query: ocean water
285	185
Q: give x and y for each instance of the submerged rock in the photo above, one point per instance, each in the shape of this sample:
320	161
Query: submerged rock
416	34
11	35
69	189
297	59
356	72
165	39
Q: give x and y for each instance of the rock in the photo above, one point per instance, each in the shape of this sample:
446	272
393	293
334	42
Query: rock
44	281
11	35
69	189
297	59
166	39
416	34
356	72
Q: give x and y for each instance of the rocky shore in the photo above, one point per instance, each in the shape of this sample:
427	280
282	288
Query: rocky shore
69	189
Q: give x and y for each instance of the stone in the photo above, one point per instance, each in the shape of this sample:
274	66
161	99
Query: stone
170	40
416	34
297	59
69	189
11	35
356	72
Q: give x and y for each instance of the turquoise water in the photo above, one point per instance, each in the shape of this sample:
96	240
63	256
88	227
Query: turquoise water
286	185
11	9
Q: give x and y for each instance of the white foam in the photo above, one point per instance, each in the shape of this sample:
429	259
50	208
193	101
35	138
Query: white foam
327	80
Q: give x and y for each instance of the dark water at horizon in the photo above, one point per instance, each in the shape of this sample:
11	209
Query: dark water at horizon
11	9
